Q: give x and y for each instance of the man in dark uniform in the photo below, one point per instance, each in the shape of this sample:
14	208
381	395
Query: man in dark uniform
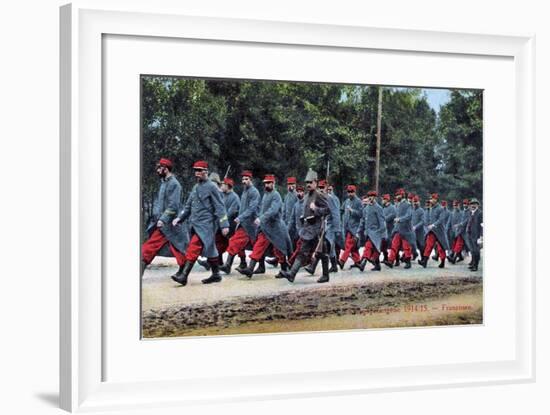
353	211
474	232
272	231
160	229
418	224
373	228
296	224
465	216
389	215
332	229
312	241
205	212
246	229
435	235
403	236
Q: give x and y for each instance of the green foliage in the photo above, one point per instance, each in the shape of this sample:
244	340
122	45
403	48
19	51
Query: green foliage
287	127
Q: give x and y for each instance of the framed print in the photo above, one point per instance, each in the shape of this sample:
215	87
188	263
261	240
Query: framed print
158	109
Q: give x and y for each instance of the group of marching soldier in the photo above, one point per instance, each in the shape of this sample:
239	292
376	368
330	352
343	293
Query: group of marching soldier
309	226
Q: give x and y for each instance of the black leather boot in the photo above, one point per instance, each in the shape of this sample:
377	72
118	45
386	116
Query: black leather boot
475	261
442	263
423	261
407	263
376	266
181	276
355	265
291	274
273	262
261	267
204	263
459	258
362	264
242	264
388	263
311	267
228	263
341	264
333	264
452	258
249	270
215	277
325	276
284	267
435	257
397	260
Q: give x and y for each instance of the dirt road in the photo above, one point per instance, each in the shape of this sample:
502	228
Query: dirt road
391	298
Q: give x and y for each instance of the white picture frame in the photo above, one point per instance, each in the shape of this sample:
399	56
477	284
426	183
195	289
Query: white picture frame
84	26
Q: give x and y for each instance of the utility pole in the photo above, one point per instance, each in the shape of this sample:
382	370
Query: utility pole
378	140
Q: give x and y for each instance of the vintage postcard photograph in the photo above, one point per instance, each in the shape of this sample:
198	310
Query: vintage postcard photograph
282	206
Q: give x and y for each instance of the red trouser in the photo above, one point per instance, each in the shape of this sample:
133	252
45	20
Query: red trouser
431	240
370	252
350	248
153	245
194	250
296	251
261	245
458	244
238	242
398	243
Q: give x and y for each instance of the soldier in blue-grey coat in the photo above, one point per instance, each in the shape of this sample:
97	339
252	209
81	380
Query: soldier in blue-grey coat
418	224
403	235
246	229
474	233
288	206
457	241
435	235
373	229
389	214
272	231
160	230
339	233
353	211
447	226
205	212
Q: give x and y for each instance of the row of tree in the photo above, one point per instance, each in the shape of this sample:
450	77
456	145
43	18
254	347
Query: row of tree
287	127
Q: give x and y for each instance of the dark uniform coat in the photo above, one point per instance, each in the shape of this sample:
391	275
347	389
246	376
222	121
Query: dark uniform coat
333	232
232	204
389	214
474	230
465	216
312	219
417	222
272	224
249	210
165	208
404	226
353	217
373	225
438	219
205	213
